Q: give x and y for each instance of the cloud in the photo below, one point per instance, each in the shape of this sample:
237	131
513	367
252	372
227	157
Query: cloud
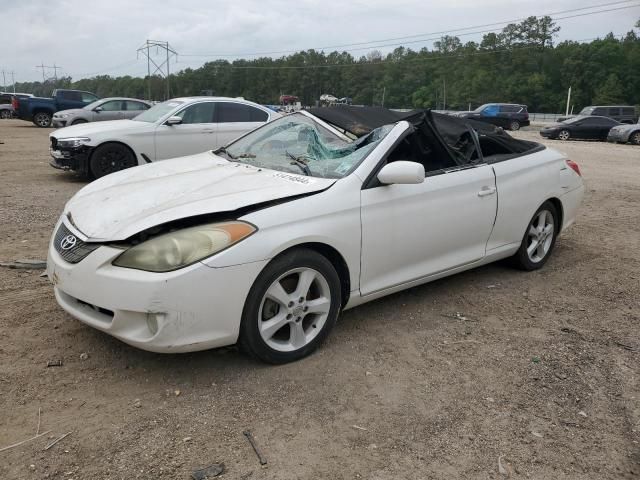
102	36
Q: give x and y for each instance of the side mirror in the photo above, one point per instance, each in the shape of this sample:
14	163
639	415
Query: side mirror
402	172
98	109
175	120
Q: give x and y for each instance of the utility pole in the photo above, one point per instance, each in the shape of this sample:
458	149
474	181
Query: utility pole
568	101
163	68
42	68
4	82
384	90
444	94
13	81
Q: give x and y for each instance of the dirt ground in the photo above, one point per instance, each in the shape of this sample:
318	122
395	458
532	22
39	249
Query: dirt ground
490	374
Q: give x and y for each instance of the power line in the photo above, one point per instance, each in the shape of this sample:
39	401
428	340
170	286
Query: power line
431	33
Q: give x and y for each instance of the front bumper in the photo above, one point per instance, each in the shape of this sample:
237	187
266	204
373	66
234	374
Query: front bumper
617	137
194	308
548	134
71	159
58	123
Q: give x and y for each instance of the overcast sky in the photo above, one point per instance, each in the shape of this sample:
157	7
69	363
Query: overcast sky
87	38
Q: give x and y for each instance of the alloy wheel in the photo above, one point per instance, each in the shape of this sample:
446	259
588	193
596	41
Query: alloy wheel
635	138
294	309
564	135
540	236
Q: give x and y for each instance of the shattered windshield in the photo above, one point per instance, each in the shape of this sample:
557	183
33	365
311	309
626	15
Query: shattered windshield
298	144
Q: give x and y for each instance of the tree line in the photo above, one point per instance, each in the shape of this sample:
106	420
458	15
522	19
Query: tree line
520	64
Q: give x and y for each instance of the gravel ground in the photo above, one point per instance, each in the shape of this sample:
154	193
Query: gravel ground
493	373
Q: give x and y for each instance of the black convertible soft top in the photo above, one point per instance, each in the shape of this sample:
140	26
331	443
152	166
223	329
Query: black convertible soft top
451	131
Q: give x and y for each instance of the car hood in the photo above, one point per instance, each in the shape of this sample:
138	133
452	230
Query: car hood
625	127
122	204
71	111
98	128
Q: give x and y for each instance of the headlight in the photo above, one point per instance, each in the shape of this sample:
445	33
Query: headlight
72	142
183	247
60	115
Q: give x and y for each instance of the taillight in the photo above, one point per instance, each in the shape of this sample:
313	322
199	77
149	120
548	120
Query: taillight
574	166
14	103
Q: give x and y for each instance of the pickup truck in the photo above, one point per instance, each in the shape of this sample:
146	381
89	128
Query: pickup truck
40	110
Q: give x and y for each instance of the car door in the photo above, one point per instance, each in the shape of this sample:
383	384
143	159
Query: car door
133	108
234	119
413	231
109	110
602	127
196	133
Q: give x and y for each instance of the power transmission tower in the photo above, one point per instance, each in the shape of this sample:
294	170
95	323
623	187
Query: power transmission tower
55	71
163	68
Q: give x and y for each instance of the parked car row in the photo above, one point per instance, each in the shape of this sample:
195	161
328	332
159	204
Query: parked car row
591	127
509	116
6	103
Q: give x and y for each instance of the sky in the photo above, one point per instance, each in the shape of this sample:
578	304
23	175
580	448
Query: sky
96	37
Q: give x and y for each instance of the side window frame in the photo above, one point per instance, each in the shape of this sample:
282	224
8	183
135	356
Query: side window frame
214	114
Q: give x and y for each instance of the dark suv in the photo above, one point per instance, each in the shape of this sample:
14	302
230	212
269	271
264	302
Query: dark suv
620	113
510	116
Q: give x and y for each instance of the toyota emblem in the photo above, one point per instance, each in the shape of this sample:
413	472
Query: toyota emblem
68	242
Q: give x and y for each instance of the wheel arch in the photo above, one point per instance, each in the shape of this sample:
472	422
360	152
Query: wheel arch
37	110
557	203
336	259
118	142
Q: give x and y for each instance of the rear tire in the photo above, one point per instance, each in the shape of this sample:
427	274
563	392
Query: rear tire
110	158
564	135
635	138
514	126
42	119
291	307
539	239
5	114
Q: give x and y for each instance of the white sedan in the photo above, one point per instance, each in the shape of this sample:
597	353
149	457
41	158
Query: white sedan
175	128
264	242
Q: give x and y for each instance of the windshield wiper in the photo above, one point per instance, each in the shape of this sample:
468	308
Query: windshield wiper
224	150
299	162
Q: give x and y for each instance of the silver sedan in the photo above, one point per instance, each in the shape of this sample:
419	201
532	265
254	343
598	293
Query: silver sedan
114	108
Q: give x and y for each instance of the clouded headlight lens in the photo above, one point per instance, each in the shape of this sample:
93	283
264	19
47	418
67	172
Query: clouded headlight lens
72	142
183	247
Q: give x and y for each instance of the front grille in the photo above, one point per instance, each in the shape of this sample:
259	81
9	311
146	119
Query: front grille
54	142
70	247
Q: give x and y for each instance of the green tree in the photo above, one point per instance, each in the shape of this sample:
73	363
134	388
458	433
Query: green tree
610	92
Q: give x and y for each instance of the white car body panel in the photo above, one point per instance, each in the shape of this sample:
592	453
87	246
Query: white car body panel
389	237
136	199
415	222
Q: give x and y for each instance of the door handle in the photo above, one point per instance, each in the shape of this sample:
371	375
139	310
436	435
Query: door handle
484	191
208	131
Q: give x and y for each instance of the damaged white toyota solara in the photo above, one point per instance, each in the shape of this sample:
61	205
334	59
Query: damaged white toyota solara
262	243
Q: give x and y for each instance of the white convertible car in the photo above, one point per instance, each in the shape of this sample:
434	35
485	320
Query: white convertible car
264	242
175	128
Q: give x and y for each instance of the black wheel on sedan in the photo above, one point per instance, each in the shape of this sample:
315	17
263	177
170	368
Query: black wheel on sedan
514	125
539	238
564	135
42	119
109	158
291	307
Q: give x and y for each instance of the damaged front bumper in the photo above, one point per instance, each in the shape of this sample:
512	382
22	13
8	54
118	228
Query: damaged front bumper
76	159
194	308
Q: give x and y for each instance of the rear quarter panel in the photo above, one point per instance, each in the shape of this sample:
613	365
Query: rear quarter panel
524	183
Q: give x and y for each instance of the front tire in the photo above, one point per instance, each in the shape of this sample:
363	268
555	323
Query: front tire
539	239
110	158
635	138
514	126
564	135
42	119
291	307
